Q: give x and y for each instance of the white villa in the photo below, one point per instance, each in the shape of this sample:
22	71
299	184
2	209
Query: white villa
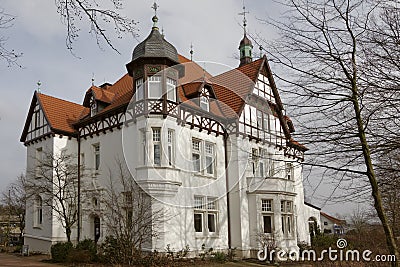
215	152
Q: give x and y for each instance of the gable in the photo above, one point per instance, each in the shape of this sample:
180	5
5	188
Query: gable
36	124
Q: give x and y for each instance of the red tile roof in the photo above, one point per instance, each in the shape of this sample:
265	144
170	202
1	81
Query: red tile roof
230	88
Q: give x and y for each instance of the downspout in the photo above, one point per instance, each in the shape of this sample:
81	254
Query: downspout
227	188
79	187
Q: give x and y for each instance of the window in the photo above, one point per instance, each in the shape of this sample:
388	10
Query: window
38	220
210	158
267	224
139	89
205	214
93	106
254	160
270	164
204	103
96	149
157	146
289	171
171	92
196	159
267	214
205	99
143	147
39	162
155	88
170	147
287	217
266	205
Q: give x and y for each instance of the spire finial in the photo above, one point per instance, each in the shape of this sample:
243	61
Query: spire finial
155	19
155	7
39	83
92	78
244	17
191	52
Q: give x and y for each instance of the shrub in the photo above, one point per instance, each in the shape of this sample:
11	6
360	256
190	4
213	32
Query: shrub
61	251
79	256
88	246
219	256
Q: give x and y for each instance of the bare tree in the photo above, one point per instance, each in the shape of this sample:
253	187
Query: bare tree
14	200
100	18
131	216
10	56
55	180
322	54
389	180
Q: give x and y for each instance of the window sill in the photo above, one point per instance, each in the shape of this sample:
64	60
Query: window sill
142	167
202	235
37	227
202	175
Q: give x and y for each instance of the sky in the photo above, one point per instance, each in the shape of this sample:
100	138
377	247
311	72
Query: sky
213	27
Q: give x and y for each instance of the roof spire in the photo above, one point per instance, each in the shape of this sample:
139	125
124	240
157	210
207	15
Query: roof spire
38	88
92	78
191	51
155	19
244	17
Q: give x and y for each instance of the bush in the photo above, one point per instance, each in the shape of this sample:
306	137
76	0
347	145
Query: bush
88	246
219	257
61	251
79	256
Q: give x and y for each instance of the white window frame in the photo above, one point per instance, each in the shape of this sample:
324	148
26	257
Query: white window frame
156	137
196	150
154	83
143	145
139	95
93	106
287	221
171	89
39	162
289	171
206	207
267	210
171	147
96	156
209	158
38	212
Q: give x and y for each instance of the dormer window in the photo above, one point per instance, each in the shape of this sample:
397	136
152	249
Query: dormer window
171	89
204	103
139	89
205	99
155	88
93	106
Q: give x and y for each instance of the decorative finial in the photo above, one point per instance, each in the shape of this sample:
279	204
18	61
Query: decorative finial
92	79
155	19
244	17
191	52
38	88
155	7
261	49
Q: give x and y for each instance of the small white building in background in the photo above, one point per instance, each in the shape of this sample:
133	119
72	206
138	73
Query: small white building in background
216	152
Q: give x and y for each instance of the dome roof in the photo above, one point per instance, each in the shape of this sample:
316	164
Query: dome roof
245	41
155	46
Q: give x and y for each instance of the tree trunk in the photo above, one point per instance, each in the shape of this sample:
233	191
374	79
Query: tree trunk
68	232
390	240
